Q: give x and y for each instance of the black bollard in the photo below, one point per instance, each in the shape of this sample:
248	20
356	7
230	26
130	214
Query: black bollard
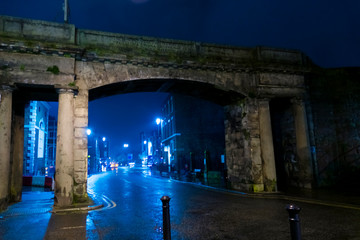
166	217
294	221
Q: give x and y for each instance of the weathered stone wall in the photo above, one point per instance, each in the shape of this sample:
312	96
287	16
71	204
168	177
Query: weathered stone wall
17	152
27	29
243	150
5	144
335	104
80	145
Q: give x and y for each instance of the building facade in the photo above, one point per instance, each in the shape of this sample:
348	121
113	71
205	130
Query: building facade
192	132
35	138
98	153
51	146
151	146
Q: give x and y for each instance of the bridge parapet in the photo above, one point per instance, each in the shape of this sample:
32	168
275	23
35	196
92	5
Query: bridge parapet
36	29
25	35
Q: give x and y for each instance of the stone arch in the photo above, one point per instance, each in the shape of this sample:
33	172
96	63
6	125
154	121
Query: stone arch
92	75
201	90
88	63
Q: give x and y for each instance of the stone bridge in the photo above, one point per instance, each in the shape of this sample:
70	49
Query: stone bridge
58	62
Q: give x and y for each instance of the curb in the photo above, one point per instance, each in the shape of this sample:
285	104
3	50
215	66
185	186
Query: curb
275	195
82	209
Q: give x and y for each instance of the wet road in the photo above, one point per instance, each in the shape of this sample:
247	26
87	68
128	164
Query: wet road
134	211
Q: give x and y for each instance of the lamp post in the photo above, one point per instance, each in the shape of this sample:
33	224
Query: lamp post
128	156
158	138
66	11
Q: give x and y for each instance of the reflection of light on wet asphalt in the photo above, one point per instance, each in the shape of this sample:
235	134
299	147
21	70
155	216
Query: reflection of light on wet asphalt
137	185
108	203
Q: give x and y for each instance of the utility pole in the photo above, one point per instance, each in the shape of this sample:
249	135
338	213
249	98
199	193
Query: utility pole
66	8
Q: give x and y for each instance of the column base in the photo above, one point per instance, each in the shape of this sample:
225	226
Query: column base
4	202
270	185
62	201
248	187
16	194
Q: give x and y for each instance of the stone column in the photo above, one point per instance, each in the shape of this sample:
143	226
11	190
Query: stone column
242	142
80	146
5	143
17	151
302	143
64	176
267	147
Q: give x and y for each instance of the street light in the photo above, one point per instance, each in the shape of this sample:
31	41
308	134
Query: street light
158	121
126	145
88	131
104	139
158	138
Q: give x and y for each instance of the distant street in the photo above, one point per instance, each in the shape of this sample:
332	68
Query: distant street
134	211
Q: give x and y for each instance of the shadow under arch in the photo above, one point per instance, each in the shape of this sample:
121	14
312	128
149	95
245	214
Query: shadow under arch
201	90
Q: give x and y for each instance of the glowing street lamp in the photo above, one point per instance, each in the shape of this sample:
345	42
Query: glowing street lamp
88	131
158	140
126	145
104	139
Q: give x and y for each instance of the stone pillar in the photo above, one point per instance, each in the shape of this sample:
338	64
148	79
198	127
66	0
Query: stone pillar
302	144
64	176
5	143
267	147
80	146
242	142
17	151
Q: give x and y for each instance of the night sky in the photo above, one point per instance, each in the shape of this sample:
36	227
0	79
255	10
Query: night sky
325	30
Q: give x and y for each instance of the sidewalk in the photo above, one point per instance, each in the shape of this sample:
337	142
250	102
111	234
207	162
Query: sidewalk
328	197
37	200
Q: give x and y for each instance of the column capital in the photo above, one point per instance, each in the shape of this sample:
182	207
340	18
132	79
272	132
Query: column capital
8	88
264	101
267	99
297	100
66	89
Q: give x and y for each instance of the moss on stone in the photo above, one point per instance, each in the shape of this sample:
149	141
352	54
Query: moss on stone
82	199
257	188
72	84
54	69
